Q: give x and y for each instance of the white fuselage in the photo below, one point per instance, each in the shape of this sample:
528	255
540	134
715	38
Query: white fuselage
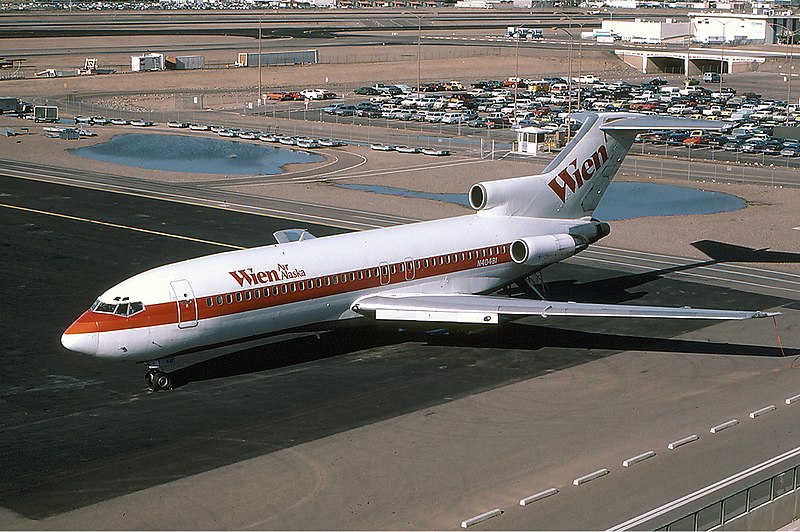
233	296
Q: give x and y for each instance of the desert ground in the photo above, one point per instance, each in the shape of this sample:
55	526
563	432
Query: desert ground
769	221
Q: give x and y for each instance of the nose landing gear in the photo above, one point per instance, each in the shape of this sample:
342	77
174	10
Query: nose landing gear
157	379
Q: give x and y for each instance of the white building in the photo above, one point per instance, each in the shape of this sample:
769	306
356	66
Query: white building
718	28
645	31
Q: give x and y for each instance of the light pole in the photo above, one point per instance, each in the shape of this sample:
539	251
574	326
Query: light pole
258	98
419	50
722	53
790	66
516	74
569	85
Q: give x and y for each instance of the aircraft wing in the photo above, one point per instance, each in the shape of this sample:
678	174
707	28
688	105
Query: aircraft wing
465	308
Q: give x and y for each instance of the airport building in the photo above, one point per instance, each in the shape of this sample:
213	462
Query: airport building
736	28
647	31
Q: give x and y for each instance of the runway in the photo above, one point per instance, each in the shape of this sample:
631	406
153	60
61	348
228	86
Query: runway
372	428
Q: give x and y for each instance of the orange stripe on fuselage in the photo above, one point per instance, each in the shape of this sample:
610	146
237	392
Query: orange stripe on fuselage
167	313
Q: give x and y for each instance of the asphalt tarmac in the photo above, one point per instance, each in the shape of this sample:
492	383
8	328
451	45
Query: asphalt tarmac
76	430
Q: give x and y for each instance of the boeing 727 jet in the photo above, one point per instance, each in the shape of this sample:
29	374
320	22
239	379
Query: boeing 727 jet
437	271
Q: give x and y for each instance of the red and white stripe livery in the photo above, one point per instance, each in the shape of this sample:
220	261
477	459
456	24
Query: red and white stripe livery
436	271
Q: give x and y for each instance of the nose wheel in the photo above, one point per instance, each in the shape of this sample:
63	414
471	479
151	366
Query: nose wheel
158	380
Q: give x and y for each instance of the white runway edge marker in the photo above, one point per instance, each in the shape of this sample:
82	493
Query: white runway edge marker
537	496
591	476
638	458
466	523
723	426
792	399
762	411
683	441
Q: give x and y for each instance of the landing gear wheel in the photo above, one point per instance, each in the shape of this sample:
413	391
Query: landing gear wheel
163	381
157	380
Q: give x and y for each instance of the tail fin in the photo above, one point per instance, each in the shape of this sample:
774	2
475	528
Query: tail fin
575	181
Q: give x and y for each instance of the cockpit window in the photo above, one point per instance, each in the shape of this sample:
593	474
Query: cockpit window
122	308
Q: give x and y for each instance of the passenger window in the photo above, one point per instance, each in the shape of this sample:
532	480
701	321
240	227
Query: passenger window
463	256
209	301
302	285
352	276
369	273
400	267
228	298
219	300
327	281
248	296
275	290
392	269
310	284
284	289
419	264
257	293
377	272
293	287
427	263
238	297
360	275
344	277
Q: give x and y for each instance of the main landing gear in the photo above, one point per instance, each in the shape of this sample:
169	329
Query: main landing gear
157	379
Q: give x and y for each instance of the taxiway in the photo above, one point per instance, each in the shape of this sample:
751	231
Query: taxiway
367	428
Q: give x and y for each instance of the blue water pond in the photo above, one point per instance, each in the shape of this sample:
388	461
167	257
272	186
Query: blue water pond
621	201
197	155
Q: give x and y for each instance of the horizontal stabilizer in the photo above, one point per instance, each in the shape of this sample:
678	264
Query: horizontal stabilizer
464	308
659	123
292	235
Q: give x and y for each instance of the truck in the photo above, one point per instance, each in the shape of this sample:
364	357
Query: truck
524	33
10	104
45	113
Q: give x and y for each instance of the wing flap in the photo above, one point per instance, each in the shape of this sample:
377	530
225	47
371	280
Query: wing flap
464	308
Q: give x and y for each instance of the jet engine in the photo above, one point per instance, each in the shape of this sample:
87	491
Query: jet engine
545	249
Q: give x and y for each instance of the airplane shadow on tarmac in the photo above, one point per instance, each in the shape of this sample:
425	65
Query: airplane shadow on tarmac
580	333
509	336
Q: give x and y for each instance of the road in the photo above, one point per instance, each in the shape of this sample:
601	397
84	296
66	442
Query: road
482	418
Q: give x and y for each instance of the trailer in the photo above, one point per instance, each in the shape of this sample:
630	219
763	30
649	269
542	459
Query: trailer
141	63
45	113
10	104
185	62
249	59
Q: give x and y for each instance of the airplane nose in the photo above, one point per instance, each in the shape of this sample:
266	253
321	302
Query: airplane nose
82	336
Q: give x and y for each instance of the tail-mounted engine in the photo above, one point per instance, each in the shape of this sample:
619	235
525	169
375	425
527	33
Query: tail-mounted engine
546	249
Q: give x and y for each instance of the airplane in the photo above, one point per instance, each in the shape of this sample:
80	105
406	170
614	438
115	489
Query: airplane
441	271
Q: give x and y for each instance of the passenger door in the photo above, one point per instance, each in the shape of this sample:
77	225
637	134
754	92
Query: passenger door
187	304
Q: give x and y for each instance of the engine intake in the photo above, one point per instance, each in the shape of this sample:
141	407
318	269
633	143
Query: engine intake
544	250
